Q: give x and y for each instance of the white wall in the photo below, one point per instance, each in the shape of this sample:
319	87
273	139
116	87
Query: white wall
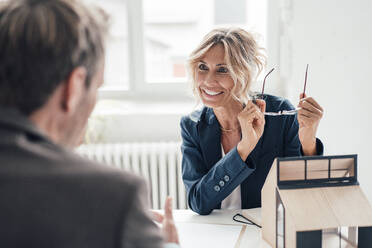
136	121
335	38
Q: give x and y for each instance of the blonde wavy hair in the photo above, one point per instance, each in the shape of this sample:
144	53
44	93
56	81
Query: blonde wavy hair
244	58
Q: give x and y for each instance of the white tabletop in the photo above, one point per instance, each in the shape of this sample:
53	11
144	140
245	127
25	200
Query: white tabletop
218	229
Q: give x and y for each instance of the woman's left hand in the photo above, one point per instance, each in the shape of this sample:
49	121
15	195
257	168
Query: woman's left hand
308	118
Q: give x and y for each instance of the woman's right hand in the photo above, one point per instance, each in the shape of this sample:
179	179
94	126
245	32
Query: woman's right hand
252	123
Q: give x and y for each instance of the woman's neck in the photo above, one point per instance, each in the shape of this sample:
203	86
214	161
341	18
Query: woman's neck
227	115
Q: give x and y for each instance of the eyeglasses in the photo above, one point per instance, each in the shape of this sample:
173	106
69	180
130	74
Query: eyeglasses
242	219
282	112
307	68
264	82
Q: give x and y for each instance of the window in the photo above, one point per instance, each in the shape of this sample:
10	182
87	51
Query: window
300	172
150	40
172	30
116	62
341	237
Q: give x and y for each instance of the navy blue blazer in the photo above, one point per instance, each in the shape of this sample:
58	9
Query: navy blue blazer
209	178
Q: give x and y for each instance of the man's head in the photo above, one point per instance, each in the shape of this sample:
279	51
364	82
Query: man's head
51	57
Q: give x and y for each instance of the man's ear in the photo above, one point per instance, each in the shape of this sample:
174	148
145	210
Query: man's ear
74	89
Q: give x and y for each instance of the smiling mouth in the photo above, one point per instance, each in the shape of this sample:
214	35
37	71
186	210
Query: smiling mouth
212	93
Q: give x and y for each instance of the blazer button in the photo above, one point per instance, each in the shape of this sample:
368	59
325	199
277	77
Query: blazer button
222	183
227	178
217	188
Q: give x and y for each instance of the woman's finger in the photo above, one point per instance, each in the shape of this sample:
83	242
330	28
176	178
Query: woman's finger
249	105
253	114
310	114
247	109
312	102
261	104
308	117
311	108
247	112
303	113
305	120
259	117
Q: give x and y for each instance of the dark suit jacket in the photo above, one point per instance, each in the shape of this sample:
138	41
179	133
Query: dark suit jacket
209	178
50	197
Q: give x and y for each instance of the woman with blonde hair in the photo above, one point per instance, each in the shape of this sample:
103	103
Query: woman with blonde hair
229	145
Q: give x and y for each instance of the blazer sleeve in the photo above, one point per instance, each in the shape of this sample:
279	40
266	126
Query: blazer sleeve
207	187
293	146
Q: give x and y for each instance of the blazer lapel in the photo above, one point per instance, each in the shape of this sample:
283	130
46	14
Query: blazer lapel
210	138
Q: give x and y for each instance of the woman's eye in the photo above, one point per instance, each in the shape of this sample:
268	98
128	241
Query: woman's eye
222	70
203	67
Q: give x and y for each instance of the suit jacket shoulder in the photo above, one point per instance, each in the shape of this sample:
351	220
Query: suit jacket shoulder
52	197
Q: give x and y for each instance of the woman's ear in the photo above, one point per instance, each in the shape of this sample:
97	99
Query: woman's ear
75	89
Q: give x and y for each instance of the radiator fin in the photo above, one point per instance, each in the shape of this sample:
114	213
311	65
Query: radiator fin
159	163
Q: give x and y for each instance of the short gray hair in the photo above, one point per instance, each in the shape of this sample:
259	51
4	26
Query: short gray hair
41	42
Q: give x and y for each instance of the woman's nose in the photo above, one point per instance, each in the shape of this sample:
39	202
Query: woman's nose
210	79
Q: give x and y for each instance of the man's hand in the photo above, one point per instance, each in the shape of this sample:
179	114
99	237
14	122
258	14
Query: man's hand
169	229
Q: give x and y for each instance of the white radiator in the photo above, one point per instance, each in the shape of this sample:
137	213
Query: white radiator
159	163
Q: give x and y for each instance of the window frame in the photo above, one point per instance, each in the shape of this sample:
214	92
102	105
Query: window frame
140	89
137	85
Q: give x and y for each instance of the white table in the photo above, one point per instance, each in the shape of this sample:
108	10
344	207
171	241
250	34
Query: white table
218	229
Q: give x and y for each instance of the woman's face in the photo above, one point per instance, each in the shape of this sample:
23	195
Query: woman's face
213	78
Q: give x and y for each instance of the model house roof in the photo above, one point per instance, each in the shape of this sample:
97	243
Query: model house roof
327	207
